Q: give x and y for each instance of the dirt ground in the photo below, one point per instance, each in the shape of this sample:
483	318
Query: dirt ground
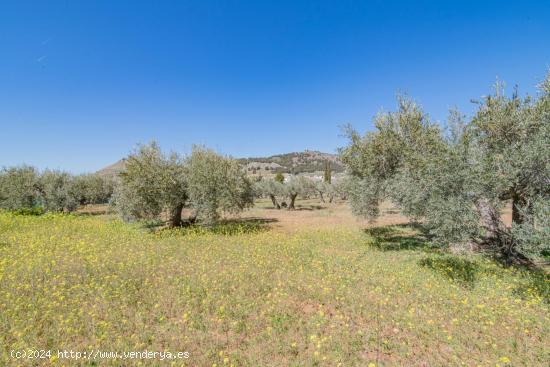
310	213
314	214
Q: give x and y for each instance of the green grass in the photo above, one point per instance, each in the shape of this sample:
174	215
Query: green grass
255	297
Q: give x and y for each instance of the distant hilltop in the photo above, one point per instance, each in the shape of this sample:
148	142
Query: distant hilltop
113	169
308	161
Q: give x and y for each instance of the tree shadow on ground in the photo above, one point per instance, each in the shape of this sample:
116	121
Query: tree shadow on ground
92	214
400	237
536	282
299	207
226	227
93	209
309	207
414	236
460	270
243	225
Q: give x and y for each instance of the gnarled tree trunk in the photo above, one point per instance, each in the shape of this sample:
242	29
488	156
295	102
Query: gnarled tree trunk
518	202
175	216
498	236
274	201
292	200
321	197
490	218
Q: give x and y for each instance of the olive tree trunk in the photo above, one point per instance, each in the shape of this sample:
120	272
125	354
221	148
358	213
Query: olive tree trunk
497	237
274	201
175	216
292	200
321	197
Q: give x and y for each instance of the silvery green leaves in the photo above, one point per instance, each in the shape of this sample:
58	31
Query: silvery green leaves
458	183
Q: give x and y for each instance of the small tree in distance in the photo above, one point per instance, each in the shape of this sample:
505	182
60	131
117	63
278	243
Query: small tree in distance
297	185
279	177
55	191
272	189
327	177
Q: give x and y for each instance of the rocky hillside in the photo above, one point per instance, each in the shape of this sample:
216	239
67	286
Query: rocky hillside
297	162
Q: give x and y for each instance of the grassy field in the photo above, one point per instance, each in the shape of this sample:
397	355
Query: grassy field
313	287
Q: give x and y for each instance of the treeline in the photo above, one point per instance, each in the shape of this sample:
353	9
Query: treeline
297	162
283	193
153	186
27	190
457	181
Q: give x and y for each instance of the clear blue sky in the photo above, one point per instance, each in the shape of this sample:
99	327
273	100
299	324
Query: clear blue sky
81	82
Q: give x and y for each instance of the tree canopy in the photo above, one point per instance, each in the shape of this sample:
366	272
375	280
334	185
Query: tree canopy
458	181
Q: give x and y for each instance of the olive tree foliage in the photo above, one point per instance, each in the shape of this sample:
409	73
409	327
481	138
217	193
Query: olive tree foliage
24	187
328	191
19	188
339	188
216	185
55	191
271	189
298	185
92	189
322	189
152	185
458	182
384	163
277	191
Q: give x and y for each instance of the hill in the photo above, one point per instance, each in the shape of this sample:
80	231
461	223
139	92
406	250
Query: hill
113	169
296	162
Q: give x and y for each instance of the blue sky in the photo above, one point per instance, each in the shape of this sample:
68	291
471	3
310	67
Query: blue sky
81	82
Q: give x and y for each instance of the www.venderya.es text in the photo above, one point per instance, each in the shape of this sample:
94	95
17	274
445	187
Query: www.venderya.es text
95	354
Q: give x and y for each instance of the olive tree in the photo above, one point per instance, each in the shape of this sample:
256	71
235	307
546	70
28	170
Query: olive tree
297	185
19	188
272	189
458	183
55	191
216	184
92	189
321	188
338	188
151	185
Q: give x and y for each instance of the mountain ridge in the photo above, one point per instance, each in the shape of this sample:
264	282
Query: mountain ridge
307	161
